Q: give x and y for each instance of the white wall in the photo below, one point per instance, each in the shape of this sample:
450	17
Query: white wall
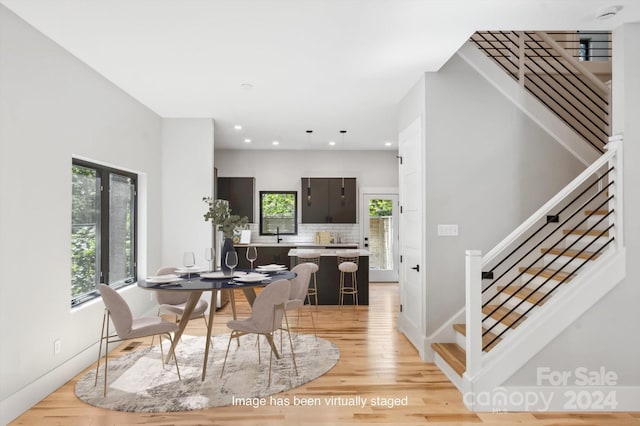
488	167
607	335
53	107
281	170
187	176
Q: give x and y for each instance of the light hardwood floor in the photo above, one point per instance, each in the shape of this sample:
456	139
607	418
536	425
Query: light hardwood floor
376	361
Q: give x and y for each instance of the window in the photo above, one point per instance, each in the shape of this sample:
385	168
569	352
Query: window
584	50
278	212
103	229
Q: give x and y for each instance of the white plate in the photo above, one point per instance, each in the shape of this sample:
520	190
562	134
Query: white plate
220	275
162	279
271	267
191	270
252	278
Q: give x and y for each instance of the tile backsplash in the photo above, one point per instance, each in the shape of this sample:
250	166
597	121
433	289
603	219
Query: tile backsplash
347	233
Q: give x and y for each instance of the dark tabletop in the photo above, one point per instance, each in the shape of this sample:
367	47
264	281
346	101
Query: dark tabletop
208	284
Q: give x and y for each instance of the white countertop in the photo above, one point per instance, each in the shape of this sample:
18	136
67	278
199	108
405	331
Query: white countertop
287	244
326	252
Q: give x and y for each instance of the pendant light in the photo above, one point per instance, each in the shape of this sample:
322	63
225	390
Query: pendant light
309	179
342	188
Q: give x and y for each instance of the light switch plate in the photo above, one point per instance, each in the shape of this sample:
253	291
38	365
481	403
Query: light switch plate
448	230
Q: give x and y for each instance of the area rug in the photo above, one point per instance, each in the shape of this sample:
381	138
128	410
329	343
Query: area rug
137	382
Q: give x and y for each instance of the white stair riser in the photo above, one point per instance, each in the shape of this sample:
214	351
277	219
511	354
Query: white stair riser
591	221
537	281
514	301
584	242
559	263
461	340
489	322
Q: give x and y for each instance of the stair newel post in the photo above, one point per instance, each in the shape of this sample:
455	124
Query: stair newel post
615	190
473	312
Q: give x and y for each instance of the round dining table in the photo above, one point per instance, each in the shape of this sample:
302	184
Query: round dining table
196	285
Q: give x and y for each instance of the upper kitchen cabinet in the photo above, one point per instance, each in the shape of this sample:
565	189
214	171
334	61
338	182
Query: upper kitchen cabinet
239	191
328	200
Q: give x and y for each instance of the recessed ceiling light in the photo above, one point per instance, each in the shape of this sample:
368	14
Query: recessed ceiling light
332	143
387	144
608	12
276	143
246	86
247	140
237	127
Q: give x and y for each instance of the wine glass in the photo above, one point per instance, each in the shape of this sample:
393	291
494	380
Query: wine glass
252	255
189	261
208	256
231	260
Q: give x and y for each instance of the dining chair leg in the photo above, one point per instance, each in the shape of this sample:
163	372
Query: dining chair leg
232	296
226	354
175	358
161	350
313	323
104	317
270	362
293	355
106	356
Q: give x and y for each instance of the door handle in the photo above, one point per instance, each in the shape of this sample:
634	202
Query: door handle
416	268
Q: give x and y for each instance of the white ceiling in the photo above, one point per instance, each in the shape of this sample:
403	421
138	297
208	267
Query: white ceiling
325	65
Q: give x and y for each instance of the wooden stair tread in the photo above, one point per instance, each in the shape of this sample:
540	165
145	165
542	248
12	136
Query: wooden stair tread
487	337
546	273
593	232
511	319
532	296
453	355
571	253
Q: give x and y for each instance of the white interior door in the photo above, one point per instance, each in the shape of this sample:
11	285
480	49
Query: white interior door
380	231
412	298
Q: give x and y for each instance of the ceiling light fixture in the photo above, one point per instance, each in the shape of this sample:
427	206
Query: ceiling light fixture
247	140
332	143
608	12
237	127
387	144
246	86
275	143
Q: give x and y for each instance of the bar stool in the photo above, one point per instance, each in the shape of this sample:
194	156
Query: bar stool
314	259
348	264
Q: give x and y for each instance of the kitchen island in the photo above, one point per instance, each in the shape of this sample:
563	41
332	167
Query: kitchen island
328	275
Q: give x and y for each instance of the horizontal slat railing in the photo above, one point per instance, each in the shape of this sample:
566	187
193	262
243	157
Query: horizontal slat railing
550	66
582	221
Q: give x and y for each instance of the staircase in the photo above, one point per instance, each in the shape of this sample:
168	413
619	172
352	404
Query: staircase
512	304
538	280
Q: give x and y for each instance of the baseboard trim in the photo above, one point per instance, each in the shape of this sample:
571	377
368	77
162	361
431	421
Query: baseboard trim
19	402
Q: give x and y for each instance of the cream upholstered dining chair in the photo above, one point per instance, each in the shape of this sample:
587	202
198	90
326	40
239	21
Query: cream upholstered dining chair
299	287
267	312
348	264
127	327
174	302
314	259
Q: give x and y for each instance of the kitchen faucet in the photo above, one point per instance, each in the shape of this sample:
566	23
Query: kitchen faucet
278	239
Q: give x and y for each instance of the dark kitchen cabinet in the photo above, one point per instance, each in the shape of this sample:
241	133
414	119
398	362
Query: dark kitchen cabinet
239	191
329	200
266	256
